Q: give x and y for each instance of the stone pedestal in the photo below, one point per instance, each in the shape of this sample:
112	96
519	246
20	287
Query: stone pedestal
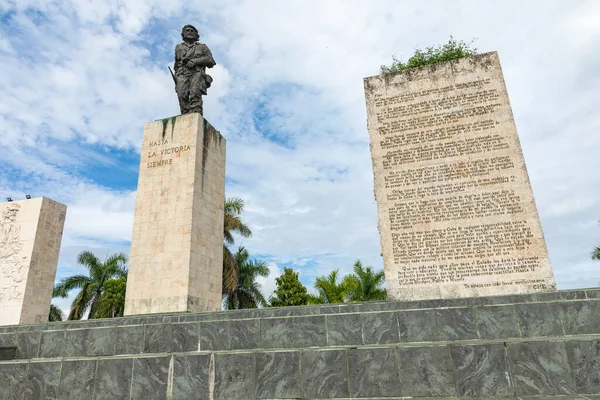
457	217
176	258
30	237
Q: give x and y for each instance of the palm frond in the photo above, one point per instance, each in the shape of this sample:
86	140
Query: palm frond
71	282
59	291
88	259
596	253
230	271
234	205
55	314
80	303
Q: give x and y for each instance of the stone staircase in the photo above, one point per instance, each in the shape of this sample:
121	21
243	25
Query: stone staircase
544	345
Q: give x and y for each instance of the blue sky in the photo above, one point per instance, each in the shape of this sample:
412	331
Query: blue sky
80	79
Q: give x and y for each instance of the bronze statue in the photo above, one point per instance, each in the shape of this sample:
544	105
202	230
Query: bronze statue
191	80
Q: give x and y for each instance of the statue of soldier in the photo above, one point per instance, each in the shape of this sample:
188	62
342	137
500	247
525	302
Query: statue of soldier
191	80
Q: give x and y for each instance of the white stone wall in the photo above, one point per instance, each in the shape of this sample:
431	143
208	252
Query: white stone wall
177	243
30	237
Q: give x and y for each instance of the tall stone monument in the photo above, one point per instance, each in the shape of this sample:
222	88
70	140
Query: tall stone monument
457	216
176	258
30	236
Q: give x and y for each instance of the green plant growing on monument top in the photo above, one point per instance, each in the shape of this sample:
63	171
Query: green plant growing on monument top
452	50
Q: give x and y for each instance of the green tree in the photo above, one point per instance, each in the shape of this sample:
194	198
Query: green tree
247	293
92	286
232	224
365	284
452	50
112	303
289	292
329	290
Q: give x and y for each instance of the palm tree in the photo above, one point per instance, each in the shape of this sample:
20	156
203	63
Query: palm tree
92	286
329	290
247	293
232	224
365	284
56	313
596	253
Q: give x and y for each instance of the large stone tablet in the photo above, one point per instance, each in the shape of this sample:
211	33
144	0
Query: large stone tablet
30	236
176	257
456	211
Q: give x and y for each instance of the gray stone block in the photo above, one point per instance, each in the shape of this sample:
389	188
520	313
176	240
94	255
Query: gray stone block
540	368
391	306
157	338
160	319
244	334
277	333
185	337
278	375
497	322
113	379
28	344
572	294
130	339
101	341
52	344
188	318
436	303
373	372
417	326
550	296
584	359
456	323
129	321
581	317
411	305
380	328
324	374
235	376
334	309
42	381
8	353
75	343
592	293
481	371
344	329
8	339
295	311
149	379
214	335
360	307
246	314
310	331
491	300
12	378
77	379
426	371
191	377
539	319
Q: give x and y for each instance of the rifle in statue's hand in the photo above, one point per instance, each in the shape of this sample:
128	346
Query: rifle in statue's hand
173	75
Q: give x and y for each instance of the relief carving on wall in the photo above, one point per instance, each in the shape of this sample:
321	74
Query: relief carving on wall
13	266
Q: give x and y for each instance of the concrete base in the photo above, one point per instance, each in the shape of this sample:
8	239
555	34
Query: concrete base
176	258
538	346
30	236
